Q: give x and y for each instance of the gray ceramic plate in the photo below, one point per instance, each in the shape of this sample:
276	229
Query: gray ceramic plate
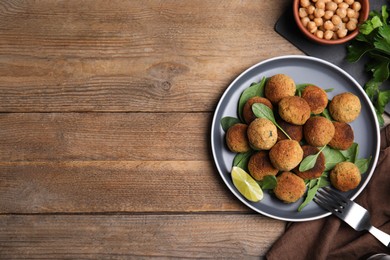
302	69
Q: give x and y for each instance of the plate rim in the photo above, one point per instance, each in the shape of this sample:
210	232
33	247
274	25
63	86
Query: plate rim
375	156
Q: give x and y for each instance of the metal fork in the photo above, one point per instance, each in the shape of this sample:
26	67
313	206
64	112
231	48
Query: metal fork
352	213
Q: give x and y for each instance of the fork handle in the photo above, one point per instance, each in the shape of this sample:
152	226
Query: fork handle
380	235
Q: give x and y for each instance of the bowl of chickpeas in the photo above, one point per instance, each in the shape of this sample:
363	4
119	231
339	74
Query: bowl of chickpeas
330	21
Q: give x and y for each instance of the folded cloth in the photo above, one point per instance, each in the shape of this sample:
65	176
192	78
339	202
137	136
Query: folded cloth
331	238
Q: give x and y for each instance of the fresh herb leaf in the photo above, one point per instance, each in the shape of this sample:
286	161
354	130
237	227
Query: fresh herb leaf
309	161
311	192
268	183
373	41
262	111
256	89
351	154
228	121
332	157
300	88
328	90
241	160
363	164
326	114
313	186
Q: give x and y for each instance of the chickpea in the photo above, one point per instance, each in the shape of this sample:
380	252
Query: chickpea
311	16
336	19
331	6
318	21
319	12
310	9
305	3
328	25
356	6
351	25
305	20
312	27
319	34
341	12
338	1
357	14
345	19
328	34
320	4
328	15
349	2
341	33
343	5
350	13
302	12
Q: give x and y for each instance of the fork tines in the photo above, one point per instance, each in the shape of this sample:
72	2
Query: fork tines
330	200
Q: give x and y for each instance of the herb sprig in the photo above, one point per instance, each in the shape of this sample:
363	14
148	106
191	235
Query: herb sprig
373	41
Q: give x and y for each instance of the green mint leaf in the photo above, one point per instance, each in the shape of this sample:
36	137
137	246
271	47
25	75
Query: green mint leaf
256	89
228	121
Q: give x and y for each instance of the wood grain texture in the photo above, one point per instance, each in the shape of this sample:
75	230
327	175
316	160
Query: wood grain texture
105	136
149	56
114	186
140	236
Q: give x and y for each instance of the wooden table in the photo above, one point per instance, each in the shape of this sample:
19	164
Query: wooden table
106	109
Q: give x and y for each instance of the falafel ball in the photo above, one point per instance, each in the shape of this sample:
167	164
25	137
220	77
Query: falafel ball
294	110
285	155
316	97
247	112
318	131
319	166
259	166
294	131
343	136
262	134
345	176
236	138
289	187
345	107
278	87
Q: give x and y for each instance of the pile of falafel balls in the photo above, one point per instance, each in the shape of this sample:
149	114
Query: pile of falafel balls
301	118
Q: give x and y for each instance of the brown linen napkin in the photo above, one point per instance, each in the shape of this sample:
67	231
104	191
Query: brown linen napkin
331	238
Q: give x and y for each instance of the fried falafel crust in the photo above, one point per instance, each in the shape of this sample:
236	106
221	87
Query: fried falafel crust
289	187
319	166
259	166
236	138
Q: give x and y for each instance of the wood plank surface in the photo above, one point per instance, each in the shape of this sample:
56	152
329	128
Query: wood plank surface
105	136
148	56
114	186
244	236
105	114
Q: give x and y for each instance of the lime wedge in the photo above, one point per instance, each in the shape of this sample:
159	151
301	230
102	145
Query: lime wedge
246	185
